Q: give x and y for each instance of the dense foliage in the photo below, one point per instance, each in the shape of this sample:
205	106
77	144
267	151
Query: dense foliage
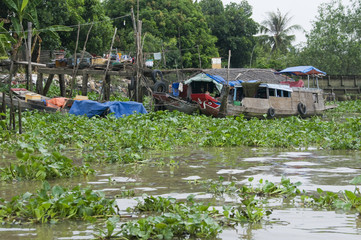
177	27
125	139
189	33
334	42
233	27
42	166
56	203
72	13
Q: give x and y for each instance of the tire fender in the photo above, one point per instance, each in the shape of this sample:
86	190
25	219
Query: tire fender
302	109
271	112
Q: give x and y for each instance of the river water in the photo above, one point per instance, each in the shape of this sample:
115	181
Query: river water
170	174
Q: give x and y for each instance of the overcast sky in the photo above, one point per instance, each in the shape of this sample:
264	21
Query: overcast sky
302	11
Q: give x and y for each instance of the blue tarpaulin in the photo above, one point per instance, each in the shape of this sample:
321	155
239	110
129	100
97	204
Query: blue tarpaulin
93	108
217	78
303	70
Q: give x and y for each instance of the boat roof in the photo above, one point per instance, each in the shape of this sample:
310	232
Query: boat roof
204	77
303	71
273	86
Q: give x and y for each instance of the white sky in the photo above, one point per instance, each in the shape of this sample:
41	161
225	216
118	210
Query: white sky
301	11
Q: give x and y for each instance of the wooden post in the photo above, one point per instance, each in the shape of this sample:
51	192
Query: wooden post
106	77
3	107
48	83
77	65
139	63
329	81
20	124
225	92
84	86
354	81
11	73
30	80
164	60
107	88
39	84
11	110
342	81
62	85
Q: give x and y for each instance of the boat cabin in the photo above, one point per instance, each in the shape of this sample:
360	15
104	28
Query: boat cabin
260	90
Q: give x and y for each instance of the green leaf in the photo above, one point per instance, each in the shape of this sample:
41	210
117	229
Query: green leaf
23	5
57	191
46	186
19	154
11	4
356	180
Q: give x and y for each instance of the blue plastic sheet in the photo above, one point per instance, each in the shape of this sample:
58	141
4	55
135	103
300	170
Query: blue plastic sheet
93	108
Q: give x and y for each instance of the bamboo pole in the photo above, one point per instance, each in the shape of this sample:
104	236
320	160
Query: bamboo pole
30	78
81	59
11	110
225	92
19	116
106	70
75	60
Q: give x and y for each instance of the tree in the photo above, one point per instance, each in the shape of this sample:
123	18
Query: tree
277	31
334	42
20	11
72	13
167	20
233	27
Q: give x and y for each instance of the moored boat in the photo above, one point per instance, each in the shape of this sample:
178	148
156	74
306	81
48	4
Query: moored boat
254	98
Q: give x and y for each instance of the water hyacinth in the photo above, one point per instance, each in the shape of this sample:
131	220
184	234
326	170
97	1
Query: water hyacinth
125	139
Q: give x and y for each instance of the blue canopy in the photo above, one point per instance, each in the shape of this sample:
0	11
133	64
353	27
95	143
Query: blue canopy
303	70
234	83
217	78
93	108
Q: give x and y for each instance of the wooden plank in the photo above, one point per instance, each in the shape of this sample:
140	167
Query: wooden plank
81	72
32	63
30	105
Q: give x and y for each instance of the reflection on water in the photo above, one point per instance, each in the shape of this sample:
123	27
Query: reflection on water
169	174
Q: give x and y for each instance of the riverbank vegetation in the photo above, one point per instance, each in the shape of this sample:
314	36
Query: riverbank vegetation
124	140
63	145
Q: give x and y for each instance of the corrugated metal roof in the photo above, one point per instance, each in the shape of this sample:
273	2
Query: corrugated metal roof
246	74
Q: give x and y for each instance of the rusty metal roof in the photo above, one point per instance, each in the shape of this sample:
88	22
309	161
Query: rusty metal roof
246	74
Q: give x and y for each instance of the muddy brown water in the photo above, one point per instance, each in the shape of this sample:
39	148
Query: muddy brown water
169	174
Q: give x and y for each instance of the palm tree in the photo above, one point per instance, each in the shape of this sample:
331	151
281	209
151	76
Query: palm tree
277	31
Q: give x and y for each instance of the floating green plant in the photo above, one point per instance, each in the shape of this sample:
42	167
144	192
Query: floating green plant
40	167
56	203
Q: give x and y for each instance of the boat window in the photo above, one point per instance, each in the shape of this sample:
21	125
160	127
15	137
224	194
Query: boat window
261	92
286	94
272	92
203	87
238	94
